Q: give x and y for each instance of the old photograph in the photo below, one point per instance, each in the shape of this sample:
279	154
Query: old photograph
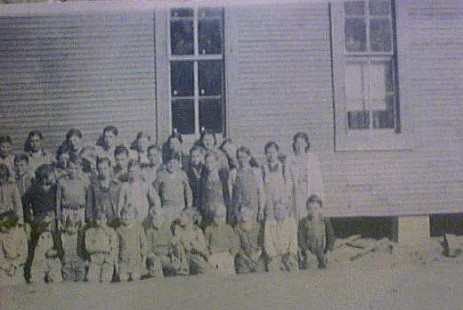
220	154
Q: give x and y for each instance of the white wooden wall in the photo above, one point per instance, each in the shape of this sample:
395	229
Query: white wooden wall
83	70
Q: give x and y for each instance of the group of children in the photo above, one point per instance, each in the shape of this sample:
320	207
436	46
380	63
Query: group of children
112	213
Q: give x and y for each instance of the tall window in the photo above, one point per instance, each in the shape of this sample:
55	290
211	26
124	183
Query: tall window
370	81
196	69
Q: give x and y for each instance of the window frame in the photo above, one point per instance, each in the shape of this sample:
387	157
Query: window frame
196	58
398	138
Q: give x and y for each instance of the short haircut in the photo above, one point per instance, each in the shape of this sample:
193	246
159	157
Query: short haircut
243	149
175	135
21	157
121	149
205	132
73	132
44	172
314	199
155	147
301	135
111	128
5	139
270	145
198	148
5	171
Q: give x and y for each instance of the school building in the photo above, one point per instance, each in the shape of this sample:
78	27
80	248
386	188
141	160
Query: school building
377	85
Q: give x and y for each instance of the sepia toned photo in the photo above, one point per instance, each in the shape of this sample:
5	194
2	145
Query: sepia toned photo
219	154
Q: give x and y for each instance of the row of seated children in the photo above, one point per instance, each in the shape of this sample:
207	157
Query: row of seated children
157	248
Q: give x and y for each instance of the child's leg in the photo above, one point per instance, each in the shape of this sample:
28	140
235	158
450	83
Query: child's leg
107	273
38	271
242	265
290	262
79	273
94	271
68	272
259	266
123	272
198	265
54	270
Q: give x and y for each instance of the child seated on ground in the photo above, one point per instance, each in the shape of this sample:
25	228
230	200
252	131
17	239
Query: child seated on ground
101	243
250	235
315	235
133	247
280	241
46	266
189	245
72	250
160	262
222	243
13	249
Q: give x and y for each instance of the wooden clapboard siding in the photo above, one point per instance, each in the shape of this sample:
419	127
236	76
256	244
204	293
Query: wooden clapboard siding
281	75
428	178
85	71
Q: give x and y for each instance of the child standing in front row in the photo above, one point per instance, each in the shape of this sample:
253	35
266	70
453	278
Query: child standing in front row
101	244
13	249
133	247
250	252
315	235
46	266
72	250
10	199
222	243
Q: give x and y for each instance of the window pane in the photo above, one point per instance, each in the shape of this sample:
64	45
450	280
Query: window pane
210	12
210	114
210	78
383	119
181	37
354	8
183	117
181	76
354	77
380	35
184	12
380	7
210	36
355	30
358	119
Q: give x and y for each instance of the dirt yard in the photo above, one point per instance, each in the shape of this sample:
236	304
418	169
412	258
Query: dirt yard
377	281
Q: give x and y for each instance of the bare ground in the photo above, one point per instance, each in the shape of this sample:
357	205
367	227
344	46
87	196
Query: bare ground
376	281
